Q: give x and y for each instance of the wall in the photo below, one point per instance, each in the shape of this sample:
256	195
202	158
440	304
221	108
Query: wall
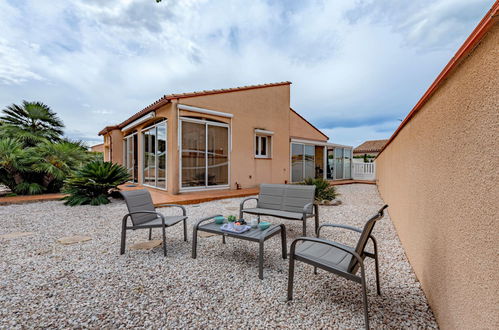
299	128
440	178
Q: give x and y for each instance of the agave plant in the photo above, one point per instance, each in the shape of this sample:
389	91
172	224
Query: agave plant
323	190
93	182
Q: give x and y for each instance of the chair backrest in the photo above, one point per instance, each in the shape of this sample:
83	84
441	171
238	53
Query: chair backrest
139	200
364	237
286	197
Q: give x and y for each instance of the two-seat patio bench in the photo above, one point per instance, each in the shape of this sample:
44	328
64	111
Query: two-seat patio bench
291	202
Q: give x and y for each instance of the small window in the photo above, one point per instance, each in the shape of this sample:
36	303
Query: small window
263	146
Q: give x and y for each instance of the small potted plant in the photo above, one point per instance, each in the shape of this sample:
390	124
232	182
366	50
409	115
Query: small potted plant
231	218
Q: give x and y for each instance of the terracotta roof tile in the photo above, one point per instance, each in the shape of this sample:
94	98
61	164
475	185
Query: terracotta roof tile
370	146
167	98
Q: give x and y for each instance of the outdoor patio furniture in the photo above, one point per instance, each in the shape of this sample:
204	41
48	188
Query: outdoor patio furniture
143	215
292	202
337	258
253	235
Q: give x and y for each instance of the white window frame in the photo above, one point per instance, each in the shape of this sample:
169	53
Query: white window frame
257	141
125	154
163	122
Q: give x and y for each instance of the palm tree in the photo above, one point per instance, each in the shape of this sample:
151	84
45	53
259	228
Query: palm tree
31	123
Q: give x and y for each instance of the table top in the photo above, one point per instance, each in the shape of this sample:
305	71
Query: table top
254	234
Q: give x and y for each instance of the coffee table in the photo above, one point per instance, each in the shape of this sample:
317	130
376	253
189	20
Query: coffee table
253	235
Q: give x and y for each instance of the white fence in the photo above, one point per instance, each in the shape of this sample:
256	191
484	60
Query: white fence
364	171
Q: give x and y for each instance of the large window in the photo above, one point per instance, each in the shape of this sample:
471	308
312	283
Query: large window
205	153
154	155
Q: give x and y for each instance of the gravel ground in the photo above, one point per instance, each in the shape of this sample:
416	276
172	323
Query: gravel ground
45	284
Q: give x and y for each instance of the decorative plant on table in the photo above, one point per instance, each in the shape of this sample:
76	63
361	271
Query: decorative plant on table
93	182
323	190
231	218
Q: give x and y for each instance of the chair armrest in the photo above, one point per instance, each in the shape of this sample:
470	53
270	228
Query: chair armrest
338	226
196	225
307	207
326	242
184	212
241	206
125	218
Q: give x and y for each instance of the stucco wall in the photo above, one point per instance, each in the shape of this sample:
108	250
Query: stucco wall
299	128
440	177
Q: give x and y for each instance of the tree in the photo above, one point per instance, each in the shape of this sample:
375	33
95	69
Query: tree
31	123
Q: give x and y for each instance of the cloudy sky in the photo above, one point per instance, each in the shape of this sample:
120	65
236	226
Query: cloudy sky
357	67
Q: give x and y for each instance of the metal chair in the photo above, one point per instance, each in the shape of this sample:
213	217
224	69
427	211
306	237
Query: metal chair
143	215
337	258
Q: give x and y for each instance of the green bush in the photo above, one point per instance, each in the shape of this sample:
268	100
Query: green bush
323	190
93	182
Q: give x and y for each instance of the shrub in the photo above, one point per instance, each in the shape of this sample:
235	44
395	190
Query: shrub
323	190
93	182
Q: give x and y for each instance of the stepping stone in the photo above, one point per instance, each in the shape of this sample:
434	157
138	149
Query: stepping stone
16	235
149	245
224	201
232	208
73	239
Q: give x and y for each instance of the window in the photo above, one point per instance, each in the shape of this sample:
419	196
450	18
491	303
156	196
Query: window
263	146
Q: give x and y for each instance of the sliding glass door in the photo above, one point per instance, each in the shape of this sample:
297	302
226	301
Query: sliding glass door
130	155
205	154
154	152
303	162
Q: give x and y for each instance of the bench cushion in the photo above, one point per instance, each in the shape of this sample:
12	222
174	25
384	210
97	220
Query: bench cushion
274	213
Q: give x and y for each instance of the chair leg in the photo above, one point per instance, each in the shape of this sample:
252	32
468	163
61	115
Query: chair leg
316	218
315	270
150	233
304	227
164	240
185	231
364	295
123	239
291	276
378	289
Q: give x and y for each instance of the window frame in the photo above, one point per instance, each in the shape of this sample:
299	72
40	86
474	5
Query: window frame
258	146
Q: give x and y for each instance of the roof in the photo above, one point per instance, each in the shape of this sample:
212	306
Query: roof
318	130
466	48
370	146
167	98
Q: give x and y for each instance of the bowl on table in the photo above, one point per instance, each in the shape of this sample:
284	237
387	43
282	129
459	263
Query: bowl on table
238	226
264	225
219	220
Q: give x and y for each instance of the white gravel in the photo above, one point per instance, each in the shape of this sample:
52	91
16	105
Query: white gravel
44	284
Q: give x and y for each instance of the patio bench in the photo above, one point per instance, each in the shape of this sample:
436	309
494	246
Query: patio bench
291	202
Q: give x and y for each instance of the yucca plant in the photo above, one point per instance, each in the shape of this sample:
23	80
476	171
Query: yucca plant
323	190
93	182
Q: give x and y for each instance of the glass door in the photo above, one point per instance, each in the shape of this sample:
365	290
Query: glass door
130	156
302	162
205	154
154	152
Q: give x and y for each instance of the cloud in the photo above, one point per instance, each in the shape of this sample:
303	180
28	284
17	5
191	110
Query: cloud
356	66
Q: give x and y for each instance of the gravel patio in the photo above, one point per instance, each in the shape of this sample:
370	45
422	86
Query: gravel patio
46	284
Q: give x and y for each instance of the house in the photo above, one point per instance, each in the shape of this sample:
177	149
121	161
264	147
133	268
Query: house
219	139
438	172
97	148
369	148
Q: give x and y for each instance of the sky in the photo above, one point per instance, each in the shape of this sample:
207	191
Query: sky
357	67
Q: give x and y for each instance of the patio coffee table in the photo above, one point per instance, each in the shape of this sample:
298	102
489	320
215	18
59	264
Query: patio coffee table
254	235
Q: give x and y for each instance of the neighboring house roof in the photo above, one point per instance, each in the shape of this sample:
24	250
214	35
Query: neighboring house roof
167	98
466	48
318	130
370	146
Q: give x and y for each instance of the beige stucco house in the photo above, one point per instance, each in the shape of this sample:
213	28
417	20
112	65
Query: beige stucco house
220	139
438	172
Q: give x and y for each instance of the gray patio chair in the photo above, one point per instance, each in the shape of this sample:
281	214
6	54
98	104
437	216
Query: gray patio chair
143	214
337	258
